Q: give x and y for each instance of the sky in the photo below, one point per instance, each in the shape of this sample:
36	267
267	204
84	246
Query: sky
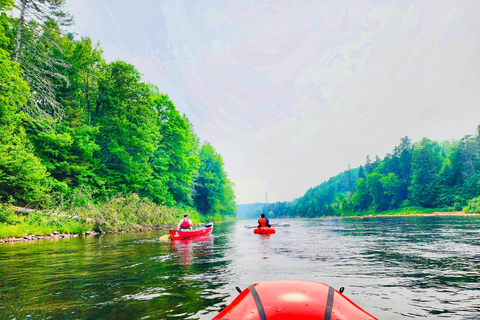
291	93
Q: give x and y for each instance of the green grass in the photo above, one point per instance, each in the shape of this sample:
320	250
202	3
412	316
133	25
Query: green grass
120	213
398	212
229	218
42	227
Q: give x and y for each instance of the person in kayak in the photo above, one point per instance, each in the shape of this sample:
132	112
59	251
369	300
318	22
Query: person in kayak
263	222
185	223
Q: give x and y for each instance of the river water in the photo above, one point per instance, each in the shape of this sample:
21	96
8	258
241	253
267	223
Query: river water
393	267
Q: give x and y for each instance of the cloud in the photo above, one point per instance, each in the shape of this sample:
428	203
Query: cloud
291	93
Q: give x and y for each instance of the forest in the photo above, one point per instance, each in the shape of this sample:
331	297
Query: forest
80	135
424	176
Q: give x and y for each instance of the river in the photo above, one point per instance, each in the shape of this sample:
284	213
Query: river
393	267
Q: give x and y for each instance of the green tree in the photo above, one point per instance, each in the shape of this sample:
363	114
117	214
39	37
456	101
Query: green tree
5	5
361	198
22	176
391	187
176	159
213	191
426	164
376	191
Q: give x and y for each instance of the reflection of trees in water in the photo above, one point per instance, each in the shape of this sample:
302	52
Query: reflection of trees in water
120	276
200	268
188	249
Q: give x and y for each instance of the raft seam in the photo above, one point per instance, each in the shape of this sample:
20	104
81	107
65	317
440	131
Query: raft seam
329	307
258	302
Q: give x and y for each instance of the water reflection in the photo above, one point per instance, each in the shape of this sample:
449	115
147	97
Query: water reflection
393	267
190	247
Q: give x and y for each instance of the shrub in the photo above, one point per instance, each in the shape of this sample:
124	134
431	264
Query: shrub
9	216
473	206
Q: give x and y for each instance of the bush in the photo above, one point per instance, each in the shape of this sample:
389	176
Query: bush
9	216
130	212
457	206
473	206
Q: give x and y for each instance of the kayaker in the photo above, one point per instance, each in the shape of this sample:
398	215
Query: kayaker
263	222
185	223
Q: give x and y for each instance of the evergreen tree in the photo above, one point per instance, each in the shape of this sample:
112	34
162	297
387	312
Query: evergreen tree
361	198
36	40
426	164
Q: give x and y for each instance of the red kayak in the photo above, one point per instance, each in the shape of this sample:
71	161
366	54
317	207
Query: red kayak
264	230
184	234
286	300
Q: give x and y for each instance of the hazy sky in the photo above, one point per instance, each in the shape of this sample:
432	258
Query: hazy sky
291	93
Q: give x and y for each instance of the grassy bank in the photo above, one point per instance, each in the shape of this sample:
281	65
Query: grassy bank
412	211
119	214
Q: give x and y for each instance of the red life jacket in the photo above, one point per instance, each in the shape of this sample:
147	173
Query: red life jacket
185	224
262	222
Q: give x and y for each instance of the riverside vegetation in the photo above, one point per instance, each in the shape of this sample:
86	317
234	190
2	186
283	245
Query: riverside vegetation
416	178
86	144
90	146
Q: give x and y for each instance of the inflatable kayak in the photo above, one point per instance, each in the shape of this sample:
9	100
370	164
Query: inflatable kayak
184	234
264	230
286	300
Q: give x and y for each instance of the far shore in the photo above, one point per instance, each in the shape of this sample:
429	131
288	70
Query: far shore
436	213
57	235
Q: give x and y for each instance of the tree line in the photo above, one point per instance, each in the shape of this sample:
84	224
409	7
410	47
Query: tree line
74	126
444	176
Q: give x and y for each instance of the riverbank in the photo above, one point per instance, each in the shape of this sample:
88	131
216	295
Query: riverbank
53	236
128	213
435	213
120	214
56	235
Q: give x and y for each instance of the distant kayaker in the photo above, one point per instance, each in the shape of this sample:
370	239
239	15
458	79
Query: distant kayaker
263	222
185	223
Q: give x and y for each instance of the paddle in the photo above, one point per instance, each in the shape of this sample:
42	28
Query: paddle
165	237
272	224
208	225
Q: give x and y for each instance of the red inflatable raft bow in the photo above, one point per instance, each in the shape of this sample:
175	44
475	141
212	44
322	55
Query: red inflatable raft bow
184	234
264	230
287	300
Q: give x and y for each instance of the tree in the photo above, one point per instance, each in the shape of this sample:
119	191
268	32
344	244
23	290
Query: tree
426	164
128	135
22	176
177	157
368	165
391	187
376	191
5	5
36	41
361	198
361	173
214	191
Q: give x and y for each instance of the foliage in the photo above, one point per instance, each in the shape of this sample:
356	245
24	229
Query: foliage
274	210
76	132
176	161
129	212
322	200
473	206
213	191
41	224
419	177
22	175
248	211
